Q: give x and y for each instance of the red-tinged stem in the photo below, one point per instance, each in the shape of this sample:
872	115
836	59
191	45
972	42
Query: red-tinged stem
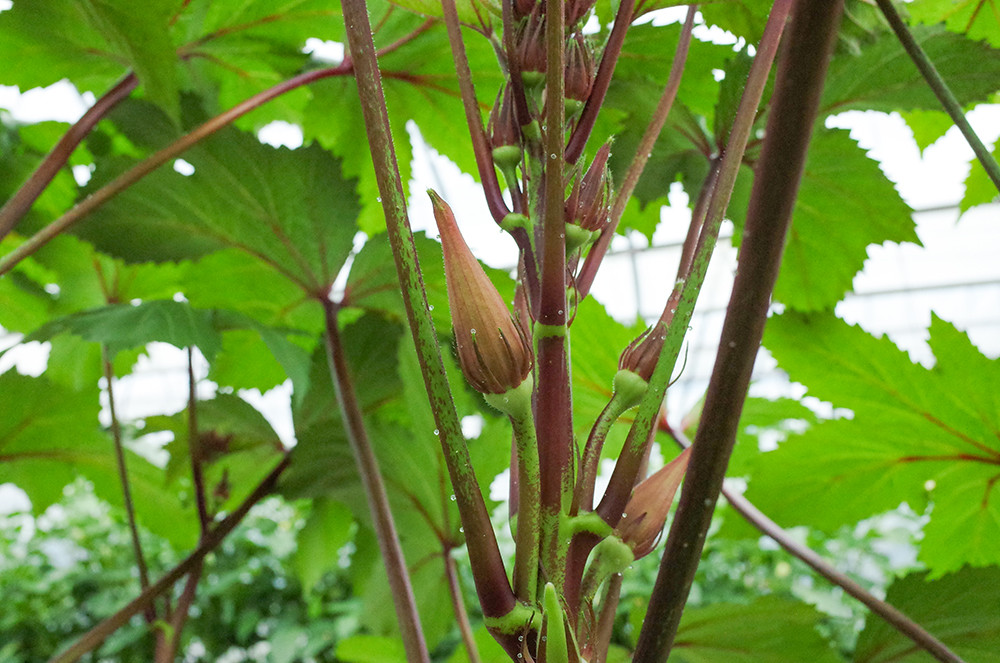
553	399
151	163
799	83
194	448
596	254
484	156
167	647
606	620
492	586
521	112
680	307
458	604
895	617
21	202
95	636
602	80
378	501
116	434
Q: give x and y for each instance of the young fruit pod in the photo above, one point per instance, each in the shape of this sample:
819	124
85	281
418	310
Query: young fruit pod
493	348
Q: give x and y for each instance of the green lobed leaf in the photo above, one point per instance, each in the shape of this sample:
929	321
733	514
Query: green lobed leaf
230	52
126	326
915	434
882	76
959	609
327	529
768	630
927	125
289	208
370	649
234	280
44	42
43	448
979	188
845	204
742	18
470	12
976	19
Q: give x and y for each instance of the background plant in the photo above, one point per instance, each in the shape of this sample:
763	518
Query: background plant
237	259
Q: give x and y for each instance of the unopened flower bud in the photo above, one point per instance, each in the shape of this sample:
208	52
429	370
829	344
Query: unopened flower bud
646	512
577	9
641	355
529	49
505	135
493	349
579	68
524	8
589	202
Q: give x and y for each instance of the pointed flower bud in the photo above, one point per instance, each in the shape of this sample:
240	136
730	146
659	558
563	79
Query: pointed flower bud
529	48
646	513
524	8
574	10
579	68
505	135
493	349
641	355
589	204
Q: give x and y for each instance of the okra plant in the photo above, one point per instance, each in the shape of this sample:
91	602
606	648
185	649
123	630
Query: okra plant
576	117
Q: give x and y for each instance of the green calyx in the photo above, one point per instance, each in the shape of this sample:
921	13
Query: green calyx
629	387
610	556
507	156
514	220
577	237
514	622
515	402
572	107
532	131
533	79
589	522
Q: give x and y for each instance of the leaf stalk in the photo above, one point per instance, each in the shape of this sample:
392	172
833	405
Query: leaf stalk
941	90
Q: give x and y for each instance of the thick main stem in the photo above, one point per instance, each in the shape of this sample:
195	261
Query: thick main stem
553	402
378	501
799	83
492	586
